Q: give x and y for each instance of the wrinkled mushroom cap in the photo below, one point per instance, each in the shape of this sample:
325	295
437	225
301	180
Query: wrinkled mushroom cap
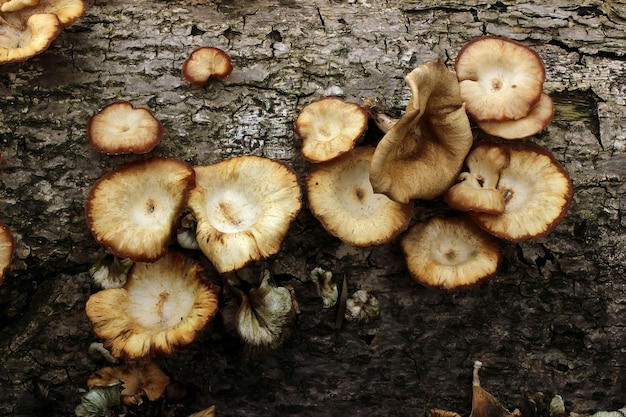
243	207
204	63
162	306
341	197
132	211
450	253
535	121
121	128
7	248
423	152
537	191
500	79
329	127
477	189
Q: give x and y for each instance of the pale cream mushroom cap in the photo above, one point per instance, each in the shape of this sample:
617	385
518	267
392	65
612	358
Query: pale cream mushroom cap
330	127
450	253
162	306
535	121
244	207
341	197
500	79
15	5
206	62
132	211
537	191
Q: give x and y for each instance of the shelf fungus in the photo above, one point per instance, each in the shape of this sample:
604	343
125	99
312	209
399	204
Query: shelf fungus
450	253
204	63
28	27
537	191
423	152
341	197
260	317
162	306
502	86
121	128
330	127
244	207
7	249
132	211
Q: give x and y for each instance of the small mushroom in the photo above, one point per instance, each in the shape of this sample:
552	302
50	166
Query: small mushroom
500	79
341	197
326	289
243	207
537	191
162	306
206	62
132	211
110	271
7	249
362	307
329	127
99	401
484	404
450	253
27	28
535	121
121	128
477	188
423	152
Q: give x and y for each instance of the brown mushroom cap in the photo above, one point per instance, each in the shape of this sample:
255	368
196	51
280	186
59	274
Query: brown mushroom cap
206	62
450	253
537	191
121	128
500	79
243	207
477	189
329	127
7	249
132	211
535	121
26	30
341	197
162	306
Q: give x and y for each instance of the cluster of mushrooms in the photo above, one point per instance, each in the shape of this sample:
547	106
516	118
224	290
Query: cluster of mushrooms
498	188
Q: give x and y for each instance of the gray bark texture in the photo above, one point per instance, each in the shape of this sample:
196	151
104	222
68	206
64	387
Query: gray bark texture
551	320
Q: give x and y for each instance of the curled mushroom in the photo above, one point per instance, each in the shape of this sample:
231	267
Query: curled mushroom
422	153
535	121
204	63
484	404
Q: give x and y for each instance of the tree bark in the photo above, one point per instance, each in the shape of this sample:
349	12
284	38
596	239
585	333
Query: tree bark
550	321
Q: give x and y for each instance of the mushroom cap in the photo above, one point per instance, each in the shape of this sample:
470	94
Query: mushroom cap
121	128
535	121
500	79
132	211
7	249
243	207
537	191
477	189
162	306
330	127
341	197
28	28
450	253
204	63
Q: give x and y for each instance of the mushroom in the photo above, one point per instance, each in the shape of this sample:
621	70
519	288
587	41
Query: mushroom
138	380
329	127
28	27
485	404
422	153
324	286
206	62
110	271
7	249
120	128
450	253
537	191
500	79
341	197
243	207
477	188
362	307
162	306
132	211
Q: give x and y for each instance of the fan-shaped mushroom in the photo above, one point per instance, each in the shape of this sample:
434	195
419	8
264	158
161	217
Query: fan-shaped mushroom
206	62
243	207
422	154
162	306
